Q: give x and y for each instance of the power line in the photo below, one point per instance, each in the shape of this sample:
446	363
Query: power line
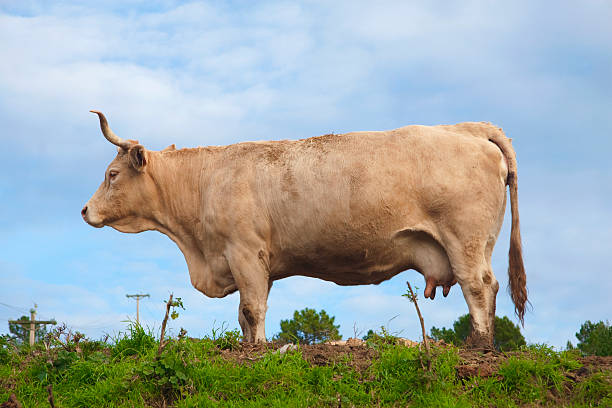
19	309
153	315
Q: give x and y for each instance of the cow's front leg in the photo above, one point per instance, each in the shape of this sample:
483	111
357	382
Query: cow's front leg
250	272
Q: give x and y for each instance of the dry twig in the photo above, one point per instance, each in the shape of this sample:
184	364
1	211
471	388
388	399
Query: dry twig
162	342
356	332
50	398
413	299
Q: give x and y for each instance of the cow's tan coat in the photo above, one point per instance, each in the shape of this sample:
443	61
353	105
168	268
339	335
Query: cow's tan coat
355	208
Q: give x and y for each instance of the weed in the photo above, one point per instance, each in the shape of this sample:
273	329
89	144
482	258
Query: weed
229	340
92	349
380	339
5	349
136	341
169	372
596	390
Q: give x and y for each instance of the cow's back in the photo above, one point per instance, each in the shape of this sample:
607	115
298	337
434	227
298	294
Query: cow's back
332	204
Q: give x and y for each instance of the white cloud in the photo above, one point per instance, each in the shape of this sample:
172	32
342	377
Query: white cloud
200	73
203	74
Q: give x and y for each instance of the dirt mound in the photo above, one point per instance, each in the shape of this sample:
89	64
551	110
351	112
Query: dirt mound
359	356
597	363
476	363
356	355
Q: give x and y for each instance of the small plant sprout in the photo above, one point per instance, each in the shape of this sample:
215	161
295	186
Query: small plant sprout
356	332
170	304
182	333
413	298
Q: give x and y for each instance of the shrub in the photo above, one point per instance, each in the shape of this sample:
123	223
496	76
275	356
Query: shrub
309	327
381	338
137	342
507	334
229	340
5	343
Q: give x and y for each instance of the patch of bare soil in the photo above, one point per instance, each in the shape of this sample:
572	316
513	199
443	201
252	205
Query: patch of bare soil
476	363
356	355
597	363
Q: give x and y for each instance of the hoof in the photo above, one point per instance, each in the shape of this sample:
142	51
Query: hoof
481	342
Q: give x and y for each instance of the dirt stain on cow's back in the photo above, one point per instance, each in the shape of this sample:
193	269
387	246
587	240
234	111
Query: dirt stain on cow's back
288	183
272	154
320	143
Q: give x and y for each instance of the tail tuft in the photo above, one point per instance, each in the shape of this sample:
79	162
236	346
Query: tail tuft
516	268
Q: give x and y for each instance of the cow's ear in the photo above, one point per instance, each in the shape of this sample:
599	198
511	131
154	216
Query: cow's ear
137	157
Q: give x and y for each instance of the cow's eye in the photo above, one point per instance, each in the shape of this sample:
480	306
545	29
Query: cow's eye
112	174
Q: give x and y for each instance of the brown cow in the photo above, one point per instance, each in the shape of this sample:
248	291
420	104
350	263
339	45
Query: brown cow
356	208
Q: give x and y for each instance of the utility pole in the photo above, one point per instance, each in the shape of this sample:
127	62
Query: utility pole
32	323
138	296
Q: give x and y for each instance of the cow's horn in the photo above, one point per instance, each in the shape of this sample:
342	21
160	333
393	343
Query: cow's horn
109	134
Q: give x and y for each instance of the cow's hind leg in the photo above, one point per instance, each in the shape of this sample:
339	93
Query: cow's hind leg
471	265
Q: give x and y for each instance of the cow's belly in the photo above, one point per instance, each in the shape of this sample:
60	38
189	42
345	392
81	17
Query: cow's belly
369	261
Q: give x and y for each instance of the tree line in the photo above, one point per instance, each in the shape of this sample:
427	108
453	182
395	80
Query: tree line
311	327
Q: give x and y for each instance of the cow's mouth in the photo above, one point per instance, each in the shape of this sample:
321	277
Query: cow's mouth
95	225
98	224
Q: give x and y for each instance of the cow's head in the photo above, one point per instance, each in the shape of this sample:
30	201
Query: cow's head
125	199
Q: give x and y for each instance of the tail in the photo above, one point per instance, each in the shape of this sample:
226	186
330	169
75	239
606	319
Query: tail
516	269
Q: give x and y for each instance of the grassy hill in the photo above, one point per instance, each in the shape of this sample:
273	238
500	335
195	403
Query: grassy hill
127	372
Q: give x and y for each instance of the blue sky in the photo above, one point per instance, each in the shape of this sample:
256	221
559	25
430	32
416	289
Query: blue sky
210	73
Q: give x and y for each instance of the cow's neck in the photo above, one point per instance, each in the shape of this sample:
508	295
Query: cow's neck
180	180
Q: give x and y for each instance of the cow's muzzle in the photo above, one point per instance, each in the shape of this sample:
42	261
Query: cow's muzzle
87	218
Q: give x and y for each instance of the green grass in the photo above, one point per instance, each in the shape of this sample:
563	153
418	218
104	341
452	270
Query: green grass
194	373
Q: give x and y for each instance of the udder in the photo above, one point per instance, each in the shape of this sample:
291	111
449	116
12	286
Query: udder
429	258
437	277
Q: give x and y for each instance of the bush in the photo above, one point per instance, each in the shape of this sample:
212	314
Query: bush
167	372
137	342
381	338
229	340
507	334
5	343
308	327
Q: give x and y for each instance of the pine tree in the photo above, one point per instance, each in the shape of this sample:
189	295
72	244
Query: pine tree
308	327
507	334
595	338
